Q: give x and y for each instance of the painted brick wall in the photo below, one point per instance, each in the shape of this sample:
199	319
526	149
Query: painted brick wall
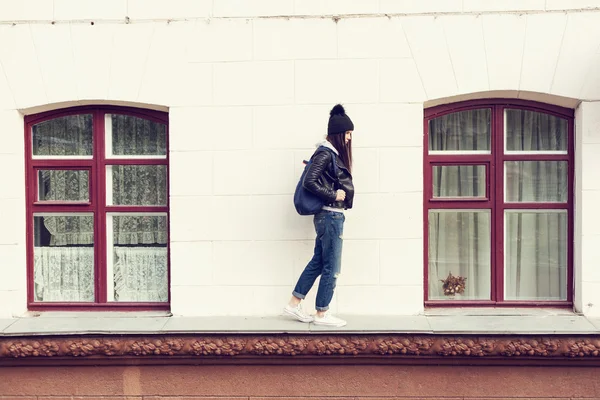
248	86
253	382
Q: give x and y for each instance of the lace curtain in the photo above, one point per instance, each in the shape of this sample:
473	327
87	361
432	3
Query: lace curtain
137	136
64	274
147	280
535	241
65	136
67	274
63	264
131	184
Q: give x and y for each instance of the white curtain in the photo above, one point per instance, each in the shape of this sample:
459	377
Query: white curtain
64	244
535	240
64	274
64	136
131	186
137	136
459	241
461	131
536	255
67	274
140	274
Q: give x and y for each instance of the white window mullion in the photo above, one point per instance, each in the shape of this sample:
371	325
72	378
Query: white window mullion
109	185
108	135
110	284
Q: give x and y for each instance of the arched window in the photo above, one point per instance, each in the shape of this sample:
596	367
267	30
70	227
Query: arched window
97	209
498	203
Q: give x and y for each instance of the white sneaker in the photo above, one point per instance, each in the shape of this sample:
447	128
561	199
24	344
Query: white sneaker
298	313
329	320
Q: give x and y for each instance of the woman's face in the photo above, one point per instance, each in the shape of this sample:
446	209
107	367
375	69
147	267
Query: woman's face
348	137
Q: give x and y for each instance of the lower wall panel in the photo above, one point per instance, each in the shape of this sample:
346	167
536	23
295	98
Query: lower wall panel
193	382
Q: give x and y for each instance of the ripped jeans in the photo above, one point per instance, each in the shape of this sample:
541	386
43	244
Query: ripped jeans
326	261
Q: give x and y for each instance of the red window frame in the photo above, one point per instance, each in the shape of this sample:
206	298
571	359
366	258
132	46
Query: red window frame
495	193
96	205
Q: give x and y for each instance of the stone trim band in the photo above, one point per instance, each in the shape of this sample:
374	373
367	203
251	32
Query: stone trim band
297	346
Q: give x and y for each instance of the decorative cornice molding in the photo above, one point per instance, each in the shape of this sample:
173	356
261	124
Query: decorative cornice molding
297	346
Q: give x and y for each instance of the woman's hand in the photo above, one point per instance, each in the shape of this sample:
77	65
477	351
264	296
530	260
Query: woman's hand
340	195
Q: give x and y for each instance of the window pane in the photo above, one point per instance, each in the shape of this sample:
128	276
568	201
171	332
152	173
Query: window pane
534	131
458	181
63	185
139	258
63	258
461	131
535	255
133	136
64	136
137	185
459	245
535	181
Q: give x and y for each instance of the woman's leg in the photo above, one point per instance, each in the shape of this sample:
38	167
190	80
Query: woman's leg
313	268
308	276
331	242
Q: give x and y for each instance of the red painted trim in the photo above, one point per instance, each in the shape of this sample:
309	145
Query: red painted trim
495	191
506	303
62	306
119	161
459	204
97	205
29	210
100	215
536	206
536	157
497	285
37	202
427	182
510	103
137	209
168	149
62	164
40	208
156	116
69	203
456	159
459	163
571	211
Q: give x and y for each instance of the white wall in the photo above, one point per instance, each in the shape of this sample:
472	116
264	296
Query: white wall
13	282
248	87
587	227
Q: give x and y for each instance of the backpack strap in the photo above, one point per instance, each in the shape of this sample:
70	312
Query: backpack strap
334	167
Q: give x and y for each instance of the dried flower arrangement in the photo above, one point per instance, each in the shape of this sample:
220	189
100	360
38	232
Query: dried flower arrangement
453	285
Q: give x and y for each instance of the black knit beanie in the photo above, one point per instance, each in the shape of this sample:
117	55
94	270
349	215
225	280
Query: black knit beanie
339	122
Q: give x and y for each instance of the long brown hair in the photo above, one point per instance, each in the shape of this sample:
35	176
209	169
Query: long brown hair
338	140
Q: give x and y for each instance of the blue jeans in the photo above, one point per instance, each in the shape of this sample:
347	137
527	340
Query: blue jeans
326	261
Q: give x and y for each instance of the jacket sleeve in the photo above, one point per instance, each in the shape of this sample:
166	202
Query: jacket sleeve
312	181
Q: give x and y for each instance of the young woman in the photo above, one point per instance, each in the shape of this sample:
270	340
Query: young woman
334	185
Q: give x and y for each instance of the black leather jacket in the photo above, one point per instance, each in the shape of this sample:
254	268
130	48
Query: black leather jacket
319	179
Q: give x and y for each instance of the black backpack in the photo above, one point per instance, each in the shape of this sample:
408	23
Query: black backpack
306	202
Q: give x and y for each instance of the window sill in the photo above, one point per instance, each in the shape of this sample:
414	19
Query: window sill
463	321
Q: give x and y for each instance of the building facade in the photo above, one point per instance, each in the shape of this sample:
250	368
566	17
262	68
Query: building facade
151	150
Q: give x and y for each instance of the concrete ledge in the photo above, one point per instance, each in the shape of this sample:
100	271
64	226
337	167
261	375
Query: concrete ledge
457	336
433	322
